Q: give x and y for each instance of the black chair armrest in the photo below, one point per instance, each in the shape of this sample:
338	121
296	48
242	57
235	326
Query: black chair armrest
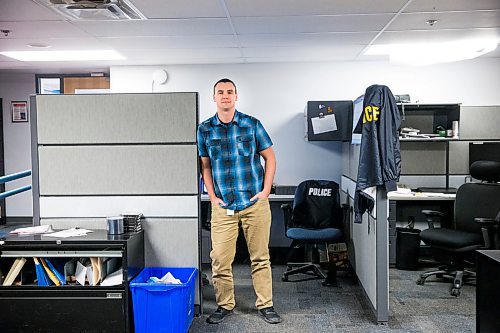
489	229
485	221
287	214
429	214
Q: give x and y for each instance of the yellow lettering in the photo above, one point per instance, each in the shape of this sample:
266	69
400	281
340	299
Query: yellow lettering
371	113
368	114
376	112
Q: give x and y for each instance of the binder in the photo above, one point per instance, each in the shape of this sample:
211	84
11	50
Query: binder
41	277
58	275
50	274
95	271
14	271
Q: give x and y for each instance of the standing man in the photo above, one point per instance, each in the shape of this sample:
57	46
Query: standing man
230	145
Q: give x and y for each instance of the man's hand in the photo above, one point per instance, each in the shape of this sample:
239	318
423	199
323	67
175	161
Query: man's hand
217	201
260	195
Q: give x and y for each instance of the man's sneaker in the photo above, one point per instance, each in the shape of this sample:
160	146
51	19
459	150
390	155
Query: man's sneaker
219	315
270	315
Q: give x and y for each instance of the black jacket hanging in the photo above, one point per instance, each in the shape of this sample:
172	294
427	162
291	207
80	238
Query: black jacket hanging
380	155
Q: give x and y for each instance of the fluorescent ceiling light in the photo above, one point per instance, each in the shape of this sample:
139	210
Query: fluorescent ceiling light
64	55
422	54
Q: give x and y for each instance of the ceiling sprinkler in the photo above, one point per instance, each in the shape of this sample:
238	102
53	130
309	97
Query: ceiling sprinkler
431	22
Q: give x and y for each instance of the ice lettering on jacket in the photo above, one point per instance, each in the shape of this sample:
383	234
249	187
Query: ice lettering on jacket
320	192
371	113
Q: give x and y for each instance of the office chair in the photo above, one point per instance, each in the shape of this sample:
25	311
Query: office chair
476	220
315	218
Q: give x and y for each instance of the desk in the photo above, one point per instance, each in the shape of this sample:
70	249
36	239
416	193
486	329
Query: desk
408	207
487	291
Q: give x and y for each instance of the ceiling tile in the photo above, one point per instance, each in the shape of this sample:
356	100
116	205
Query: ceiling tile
170	42
437	36
174	27
306	39
303	24
25	10
54	43
42	29
446	20
311	7
160	55
326	52
179	8
451	5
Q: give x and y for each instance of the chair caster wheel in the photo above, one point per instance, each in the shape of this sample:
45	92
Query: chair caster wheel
284	278
455	292
420	281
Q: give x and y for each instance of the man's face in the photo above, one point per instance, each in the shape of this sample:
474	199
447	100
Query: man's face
225	96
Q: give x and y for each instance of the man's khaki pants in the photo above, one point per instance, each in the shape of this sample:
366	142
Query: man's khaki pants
256	224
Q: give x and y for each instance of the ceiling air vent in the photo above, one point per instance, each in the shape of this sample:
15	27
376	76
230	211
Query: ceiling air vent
94	9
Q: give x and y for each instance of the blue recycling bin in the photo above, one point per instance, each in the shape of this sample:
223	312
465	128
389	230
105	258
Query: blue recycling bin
163	308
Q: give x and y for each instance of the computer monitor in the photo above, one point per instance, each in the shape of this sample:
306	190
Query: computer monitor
489	151
357	111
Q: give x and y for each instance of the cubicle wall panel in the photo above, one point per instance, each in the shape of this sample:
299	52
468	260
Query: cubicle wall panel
423	158
116	118
345	157
459	158
86	223
171	242
479	122
354	161
363	255
102	206
114	170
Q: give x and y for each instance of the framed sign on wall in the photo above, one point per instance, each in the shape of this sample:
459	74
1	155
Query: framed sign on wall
19	110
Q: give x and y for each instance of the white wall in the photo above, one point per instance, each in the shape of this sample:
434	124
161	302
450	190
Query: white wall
277	94
17	144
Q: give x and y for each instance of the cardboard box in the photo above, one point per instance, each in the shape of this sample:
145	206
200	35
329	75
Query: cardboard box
337	254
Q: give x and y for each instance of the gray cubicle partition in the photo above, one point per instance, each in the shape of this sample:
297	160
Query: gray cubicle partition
101	155
368	251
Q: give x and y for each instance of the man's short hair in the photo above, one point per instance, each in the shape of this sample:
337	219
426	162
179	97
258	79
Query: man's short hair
225	80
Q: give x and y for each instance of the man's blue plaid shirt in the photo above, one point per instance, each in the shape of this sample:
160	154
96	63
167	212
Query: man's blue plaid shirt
234	149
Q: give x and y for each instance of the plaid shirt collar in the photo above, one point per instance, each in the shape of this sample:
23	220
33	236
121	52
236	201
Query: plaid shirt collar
216	121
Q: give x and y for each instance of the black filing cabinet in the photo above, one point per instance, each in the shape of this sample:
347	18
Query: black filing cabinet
27	307
487	291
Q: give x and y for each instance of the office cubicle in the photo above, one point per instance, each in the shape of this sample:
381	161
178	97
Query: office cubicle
102	155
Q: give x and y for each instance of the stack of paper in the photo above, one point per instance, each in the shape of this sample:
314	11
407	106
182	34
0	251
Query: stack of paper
132	222
41	229
73	232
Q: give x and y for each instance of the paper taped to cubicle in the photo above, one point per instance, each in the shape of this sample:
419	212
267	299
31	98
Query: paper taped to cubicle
324	124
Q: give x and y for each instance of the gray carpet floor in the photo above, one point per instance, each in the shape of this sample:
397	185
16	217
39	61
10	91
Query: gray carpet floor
307	306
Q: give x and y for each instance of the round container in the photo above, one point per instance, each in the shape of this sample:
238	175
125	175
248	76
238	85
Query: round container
115	225
454	126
